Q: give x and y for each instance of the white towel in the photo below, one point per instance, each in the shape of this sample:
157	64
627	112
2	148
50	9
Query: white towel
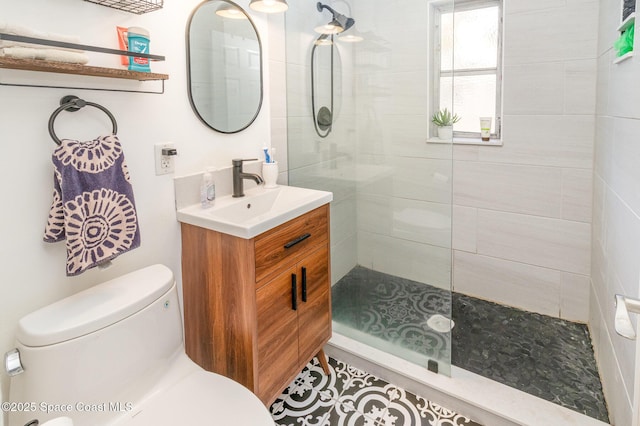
27	32
53	55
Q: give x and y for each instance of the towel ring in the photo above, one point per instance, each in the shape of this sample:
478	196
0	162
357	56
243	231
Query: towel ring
73	103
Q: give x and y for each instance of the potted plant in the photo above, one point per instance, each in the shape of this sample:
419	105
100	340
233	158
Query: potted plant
445	120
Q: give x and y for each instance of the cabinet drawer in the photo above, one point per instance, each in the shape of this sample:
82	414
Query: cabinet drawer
285	244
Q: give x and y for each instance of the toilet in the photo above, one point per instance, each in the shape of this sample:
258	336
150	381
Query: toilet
114	355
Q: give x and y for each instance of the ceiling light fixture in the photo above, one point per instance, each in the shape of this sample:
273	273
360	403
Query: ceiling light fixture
332	27
350	38
324	40
269	6
230	11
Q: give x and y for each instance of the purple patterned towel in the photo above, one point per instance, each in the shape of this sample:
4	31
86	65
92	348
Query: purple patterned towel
93	206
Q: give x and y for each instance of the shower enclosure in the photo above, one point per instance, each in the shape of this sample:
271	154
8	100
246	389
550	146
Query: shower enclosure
360	96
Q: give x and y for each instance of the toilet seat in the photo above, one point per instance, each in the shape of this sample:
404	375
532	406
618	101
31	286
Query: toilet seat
200	398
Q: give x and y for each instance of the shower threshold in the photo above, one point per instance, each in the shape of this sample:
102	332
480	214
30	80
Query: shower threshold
486	401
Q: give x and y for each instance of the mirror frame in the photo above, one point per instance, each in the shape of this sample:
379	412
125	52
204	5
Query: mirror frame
188	57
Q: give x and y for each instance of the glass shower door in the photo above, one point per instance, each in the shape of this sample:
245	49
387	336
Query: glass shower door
359	125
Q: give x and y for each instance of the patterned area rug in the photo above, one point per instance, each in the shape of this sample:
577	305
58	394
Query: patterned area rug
541	355
349	396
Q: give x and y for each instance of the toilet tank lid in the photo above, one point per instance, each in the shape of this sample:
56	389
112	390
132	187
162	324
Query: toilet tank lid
95	308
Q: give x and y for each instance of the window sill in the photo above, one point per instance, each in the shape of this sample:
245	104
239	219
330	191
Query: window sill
466	141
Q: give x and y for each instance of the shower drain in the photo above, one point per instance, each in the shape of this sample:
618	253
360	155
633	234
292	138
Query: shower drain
440	323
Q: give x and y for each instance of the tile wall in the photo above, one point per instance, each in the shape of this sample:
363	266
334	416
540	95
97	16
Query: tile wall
522	211
615	252
404	196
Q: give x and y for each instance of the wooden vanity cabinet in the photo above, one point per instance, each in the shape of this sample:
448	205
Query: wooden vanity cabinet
258	310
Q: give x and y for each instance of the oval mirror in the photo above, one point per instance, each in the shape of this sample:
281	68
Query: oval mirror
224	66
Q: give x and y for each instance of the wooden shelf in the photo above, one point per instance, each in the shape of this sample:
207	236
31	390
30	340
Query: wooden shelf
77	69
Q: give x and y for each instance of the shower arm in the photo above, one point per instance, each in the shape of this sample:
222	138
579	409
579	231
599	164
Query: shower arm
344	21
321	6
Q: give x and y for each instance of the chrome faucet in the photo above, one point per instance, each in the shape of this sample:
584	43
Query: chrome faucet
239	176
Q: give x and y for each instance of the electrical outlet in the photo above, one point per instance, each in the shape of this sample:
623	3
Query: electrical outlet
165	164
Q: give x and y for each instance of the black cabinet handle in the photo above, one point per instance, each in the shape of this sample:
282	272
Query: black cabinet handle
294	292
304	284
296	241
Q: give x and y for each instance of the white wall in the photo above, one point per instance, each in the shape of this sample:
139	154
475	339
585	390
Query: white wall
615	248
33	271
522	211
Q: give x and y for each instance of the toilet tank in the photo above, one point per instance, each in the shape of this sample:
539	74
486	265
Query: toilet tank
93	354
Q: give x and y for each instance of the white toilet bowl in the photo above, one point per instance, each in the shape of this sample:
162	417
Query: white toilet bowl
114	354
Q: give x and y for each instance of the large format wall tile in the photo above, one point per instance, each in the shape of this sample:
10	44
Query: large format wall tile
515	284
520	6
343	219
423	179
577	193
505	187
543	140
603	147
622	242
625	173
407	259
419	221
536	88
465	225
624	89
551	243
574	297
556	34
343	257
580	83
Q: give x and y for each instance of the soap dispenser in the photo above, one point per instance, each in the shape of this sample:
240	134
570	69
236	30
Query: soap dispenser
207	188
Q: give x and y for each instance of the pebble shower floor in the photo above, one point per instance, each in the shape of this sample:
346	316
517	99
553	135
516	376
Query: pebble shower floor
544	356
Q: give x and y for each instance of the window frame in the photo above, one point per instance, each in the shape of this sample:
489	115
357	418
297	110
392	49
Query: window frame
448	6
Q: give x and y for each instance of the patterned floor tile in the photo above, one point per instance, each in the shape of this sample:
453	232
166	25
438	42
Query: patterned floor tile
302	406
352	397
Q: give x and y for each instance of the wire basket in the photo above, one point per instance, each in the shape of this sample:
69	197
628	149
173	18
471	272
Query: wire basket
134	6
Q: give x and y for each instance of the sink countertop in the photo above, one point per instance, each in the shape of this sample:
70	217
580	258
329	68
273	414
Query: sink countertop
258	211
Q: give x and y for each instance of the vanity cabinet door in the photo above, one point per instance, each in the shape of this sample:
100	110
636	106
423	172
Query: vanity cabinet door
314	310
285	245
277	334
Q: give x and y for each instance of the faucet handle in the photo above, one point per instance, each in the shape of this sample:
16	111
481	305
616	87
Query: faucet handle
238	161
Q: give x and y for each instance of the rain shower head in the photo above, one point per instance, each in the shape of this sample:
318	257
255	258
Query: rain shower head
340	22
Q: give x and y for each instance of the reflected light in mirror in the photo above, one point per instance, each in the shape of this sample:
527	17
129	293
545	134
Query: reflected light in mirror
230	11
350	38
323	40
269	6
332	27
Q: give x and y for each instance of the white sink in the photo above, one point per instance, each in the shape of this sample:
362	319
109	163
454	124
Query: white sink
258	211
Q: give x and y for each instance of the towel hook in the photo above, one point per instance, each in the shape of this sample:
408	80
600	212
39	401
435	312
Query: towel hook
73	103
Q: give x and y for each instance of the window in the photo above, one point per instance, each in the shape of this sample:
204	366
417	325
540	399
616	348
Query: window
467	59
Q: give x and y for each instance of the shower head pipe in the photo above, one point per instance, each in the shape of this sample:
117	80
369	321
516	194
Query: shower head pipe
344	21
